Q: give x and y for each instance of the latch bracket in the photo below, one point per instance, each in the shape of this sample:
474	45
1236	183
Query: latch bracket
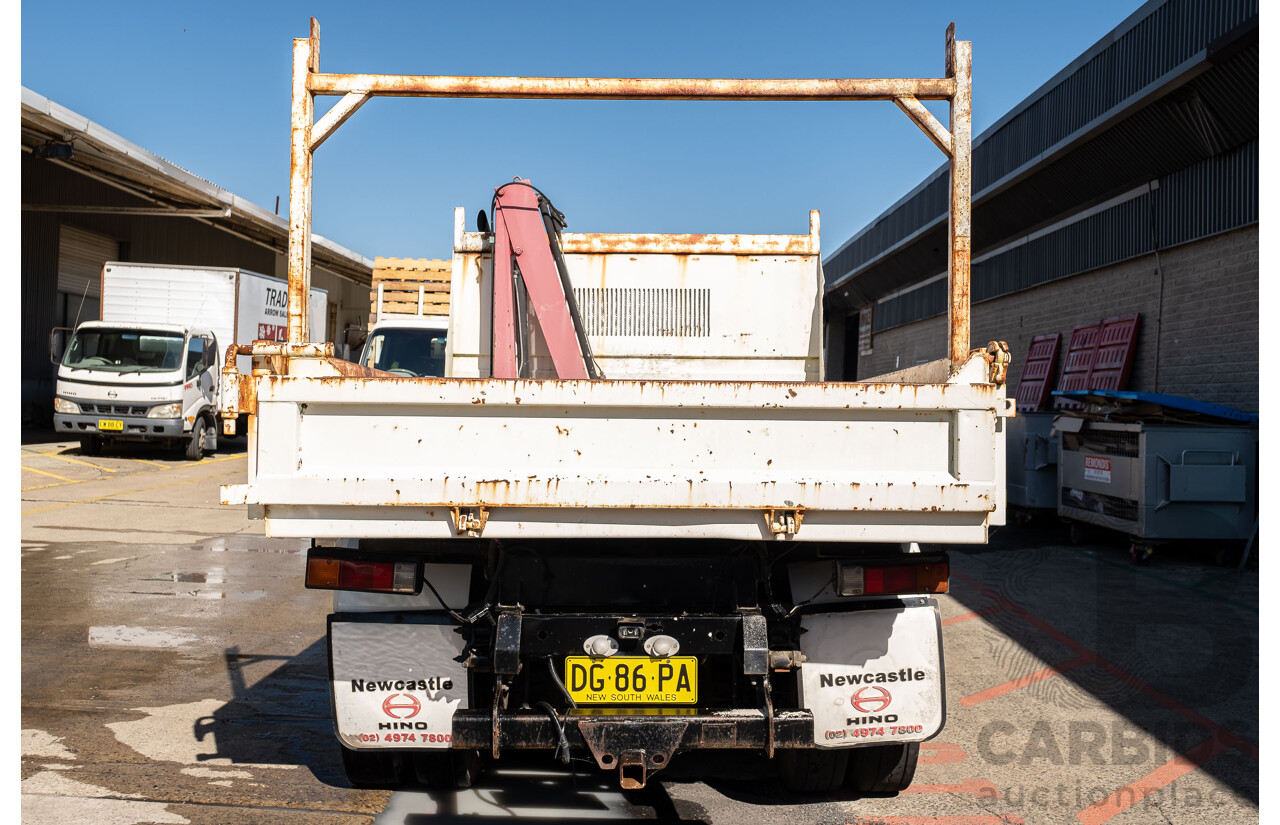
784	522
469	521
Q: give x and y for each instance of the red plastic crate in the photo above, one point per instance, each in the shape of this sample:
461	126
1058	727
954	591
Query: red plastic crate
1037	372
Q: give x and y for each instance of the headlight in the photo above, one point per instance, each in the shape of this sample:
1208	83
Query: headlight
62	405
173	410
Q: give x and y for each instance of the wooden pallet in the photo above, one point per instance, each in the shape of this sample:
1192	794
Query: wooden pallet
404	280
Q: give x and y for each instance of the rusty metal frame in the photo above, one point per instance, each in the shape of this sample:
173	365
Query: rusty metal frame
307	135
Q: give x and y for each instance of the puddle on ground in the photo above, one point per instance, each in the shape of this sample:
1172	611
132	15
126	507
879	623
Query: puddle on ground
200	578
254	544
199	594
177	577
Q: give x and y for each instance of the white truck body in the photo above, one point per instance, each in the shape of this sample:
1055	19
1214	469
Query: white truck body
881	461
181	318
697	308
238	305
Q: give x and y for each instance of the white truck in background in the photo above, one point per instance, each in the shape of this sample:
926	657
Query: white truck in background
148	370
410	310
410	306
632	520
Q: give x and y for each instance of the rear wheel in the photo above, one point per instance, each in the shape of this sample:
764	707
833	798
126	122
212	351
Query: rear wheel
195	447
884	769
811	771
372	769
90	445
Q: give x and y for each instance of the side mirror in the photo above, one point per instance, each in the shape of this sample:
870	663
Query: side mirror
58	343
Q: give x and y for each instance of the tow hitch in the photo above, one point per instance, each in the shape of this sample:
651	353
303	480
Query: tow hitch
635	748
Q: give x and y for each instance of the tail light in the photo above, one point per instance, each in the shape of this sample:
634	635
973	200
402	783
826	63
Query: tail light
853	579
336	572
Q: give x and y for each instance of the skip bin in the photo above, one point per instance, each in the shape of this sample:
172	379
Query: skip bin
1158	467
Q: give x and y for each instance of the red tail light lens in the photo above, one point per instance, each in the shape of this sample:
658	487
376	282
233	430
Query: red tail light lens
891	580
326	573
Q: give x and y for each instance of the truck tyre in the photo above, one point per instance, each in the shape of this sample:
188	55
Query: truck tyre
884	769
195	446
90	445
447	770
812	771
372	769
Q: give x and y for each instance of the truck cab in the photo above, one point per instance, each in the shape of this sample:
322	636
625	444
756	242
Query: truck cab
138	382
410	347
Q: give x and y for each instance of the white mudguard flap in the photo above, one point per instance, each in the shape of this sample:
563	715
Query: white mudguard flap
873	676
396	685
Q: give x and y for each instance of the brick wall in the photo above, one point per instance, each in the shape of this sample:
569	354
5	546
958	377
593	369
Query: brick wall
1199	335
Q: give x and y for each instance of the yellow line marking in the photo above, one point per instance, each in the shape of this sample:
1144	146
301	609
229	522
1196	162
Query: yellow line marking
130	492
153	463
45	473
63	484
78	461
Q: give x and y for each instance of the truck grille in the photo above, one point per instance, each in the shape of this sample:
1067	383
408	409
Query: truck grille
113	409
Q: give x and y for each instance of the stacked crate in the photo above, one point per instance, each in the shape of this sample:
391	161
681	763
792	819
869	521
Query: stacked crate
410	286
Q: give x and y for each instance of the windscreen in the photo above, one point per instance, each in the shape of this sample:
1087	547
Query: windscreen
412	353
124	350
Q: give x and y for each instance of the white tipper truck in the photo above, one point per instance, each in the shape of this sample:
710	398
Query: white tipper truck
148	371
702	545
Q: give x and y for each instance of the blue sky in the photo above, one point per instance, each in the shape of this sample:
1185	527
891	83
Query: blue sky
206	86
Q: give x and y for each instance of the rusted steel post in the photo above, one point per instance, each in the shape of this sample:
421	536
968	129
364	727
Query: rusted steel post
959	67
306	59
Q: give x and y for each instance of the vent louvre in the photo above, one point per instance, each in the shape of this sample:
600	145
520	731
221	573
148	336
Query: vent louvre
645	313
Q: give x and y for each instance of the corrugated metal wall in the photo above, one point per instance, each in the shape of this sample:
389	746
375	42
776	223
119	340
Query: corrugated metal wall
1215	111
1208	198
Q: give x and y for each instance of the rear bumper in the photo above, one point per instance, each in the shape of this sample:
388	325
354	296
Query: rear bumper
134	427
736	729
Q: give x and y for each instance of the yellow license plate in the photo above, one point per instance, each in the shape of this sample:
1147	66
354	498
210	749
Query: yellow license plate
108	424
627	680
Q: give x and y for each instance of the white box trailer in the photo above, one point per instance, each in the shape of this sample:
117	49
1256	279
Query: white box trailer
148	370
708	548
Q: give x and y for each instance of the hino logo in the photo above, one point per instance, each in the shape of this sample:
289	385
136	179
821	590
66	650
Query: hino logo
872	699
401	708
112	393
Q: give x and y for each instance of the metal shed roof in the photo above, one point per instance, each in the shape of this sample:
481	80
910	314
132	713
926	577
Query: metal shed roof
1174	84
104	155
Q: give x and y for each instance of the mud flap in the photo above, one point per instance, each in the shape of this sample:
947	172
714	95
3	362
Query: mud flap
873	676
396	685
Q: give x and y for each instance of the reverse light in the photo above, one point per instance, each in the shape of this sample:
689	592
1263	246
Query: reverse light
896	579
65	407
165	410
330	573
